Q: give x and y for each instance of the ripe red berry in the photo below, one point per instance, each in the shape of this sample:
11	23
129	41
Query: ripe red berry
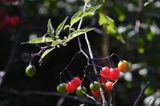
114	74
70	88
76	82
108	86
105	73
96	93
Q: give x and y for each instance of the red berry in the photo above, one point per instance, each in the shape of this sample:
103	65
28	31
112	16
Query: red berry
105	73
108	86
76	82
123	66
70	88
13	21
96	93
114	73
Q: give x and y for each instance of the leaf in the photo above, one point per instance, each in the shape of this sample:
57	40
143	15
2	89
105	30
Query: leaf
60	27
45	53
76	17
103	19
50	29
109	27
80	14
39	40
94	8
79	32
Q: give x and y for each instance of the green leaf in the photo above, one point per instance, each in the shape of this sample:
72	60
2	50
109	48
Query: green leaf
50	29
76	17
80	14
103	19
78	33
39	40
45	53
60	27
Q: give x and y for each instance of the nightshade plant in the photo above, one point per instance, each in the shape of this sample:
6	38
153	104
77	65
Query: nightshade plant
101	88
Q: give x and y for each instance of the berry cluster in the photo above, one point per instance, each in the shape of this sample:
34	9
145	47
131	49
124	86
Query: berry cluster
107	76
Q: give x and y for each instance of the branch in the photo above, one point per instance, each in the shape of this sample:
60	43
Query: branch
27	95
113	93
141	94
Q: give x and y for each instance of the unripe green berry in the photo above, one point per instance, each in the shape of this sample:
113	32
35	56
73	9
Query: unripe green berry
30	70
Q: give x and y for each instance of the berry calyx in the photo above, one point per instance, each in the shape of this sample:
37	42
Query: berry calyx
81	91
94	86
61	88
123	66
108	86
76	82
30	70
114	74
70	88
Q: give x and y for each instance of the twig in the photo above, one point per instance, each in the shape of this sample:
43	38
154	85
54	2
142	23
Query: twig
141	94
112	101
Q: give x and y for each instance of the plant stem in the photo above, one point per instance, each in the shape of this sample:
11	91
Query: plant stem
79	26
104	102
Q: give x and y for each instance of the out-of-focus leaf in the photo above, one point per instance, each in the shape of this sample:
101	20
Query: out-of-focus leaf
60	27
39	40
50	29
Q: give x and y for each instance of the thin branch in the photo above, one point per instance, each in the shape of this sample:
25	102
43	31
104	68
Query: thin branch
104	102
141	94
112	101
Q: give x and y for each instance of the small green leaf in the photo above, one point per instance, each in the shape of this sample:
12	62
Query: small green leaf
60	27
78	33
50	29
45	53
76	17
39	40
94	8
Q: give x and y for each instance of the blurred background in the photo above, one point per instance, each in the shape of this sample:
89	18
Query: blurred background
138	21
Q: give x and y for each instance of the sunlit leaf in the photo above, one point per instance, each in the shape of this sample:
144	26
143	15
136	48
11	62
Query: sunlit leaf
39	40
76	17
60	27
45	53
79	32
50	29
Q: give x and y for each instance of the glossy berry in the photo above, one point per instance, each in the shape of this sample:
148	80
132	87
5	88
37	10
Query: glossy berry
108	86
61	88
123	66
114	74
30	70
96	93
81	91
76	82
94	86
105	73
70	88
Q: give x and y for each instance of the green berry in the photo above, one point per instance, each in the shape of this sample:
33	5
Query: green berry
61	88
81	91
94	86
30	70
